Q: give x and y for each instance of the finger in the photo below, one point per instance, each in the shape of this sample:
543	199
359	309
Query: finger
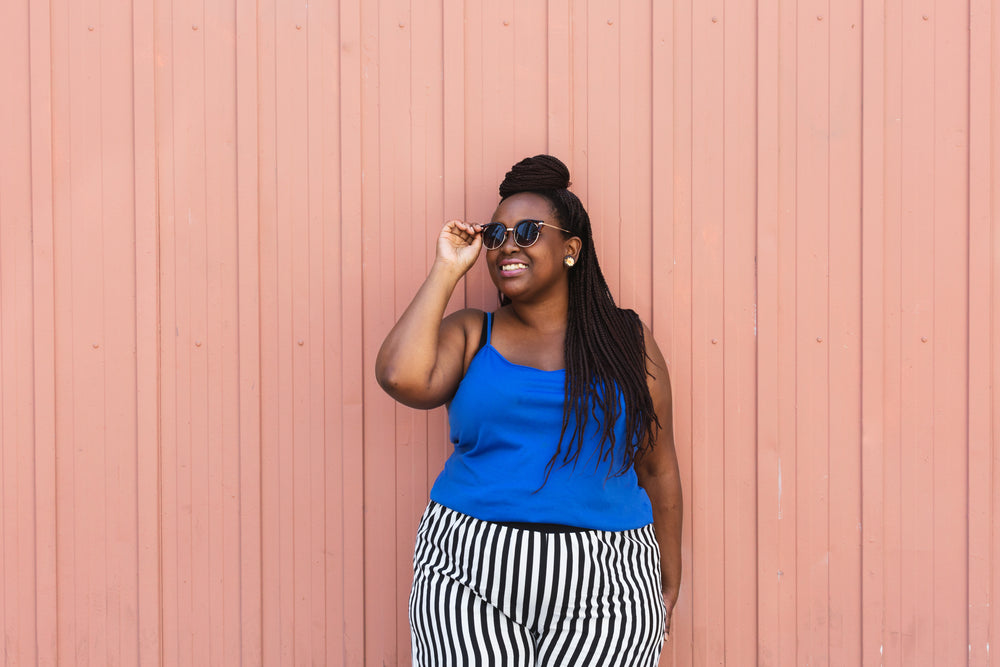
458	229
462	229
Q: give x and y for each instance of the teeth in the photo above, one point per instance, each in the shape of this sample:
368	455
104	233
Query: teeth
513	267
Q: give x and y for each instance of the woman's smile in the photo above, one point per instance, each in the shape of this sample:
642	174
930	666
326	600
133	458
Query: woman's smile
512	267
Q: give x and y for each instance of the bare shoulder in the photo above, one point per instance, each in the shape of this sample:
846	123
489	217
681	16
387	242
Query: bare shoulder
464	328
465	318
656	364
468	321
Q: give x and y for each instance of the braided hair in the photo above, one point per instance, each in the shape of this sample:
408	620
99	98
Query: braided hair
604	347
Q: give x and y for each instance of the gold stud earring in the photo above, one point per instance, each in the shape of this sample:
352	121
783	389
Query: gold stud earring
569	261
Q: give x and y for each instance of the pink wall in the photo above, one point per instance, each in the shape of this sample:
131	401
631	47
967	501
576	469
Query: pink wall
212	212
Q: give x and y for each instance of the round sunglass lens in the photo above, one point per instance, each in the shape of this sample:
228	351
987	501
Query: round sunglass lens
493	234
526	233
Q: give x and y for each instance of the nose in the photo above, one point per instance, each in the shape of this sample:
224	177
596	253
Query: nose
509	245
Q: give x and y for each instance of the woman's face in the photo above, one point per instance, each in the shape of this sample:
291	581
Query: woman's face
522	273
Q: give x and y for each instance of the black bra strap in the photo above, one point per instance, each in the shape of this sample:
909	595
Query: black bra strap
484	337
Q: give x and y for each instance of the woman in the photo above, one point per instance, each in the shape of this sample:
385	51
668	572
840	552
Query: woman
545	534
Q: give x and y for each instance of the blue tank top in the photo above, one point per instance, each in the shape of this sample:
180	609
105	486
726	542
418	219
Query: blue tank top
505	421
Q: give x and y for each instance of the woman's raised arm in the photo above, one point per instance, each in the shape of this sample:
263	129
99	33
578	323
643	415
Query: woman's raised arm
422	359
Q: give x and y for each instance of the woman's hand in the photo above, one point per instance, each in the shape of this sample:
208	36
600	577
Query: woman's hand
459	244
669	601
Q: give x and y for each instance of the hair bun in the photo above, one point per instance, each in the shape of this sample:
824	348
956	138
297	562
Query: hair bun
542	172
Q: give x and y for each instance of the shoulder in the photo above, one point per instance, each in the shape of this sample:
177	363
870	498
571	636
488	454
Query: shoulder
654	357
466	324
466	319
657	372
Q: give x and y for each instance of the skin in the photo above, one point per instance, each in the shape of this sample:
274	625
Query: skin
425	355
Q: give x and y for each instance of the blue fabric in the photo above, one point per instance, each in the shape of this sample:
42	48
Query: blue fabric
505	421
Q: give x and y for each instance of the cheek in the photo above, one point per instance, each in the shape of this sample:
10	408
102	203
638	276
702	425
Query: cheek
550	255
491	264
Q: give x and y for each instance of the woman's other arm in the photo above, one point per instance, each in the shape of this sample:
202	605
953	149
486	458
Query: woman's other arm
659	475
421	360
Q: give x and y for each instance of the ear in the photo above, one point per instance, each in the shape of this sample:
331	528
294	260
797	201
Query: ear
572	247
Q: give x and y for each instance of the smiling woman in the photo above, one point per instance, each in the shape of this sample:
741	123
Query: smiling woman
561	500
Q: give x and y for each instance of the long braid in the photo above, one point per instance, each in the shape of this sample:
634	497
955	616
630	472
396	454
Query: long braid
604	347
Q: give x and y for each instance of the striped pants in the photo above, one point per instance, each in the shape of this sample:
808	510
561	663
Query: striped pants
488	594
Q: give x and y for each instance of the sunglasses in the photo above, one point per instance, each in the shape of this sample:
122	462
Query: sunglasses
525	233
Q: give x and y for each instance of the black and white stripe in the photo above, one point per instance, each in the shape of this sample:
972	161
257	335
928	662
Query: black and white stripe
489	594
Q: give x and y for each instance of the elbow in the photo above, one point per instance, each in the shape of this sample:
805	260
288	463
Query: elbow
387	376
386	373
403	389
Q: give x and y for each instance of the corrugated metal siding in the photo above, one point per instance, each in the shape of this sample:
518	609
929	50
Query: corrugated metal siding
211	214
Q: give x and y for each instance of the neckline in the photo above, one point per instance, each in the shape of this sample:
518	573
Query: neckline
511	363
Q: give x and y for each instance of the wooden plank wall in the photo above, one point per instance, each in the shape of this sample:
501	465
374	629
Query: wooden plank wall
212	212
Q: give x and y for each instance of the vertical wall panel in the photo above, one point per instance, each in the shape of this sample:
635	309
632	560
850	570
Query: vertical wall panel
845	354
118	241
738	332
635	198
950	338
890	644
66	570
222	299
916	377
211	214
984	334
874	412
43	333
706	489
810	396
769	481
147	339
781	320
167	352
275	641
18	620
